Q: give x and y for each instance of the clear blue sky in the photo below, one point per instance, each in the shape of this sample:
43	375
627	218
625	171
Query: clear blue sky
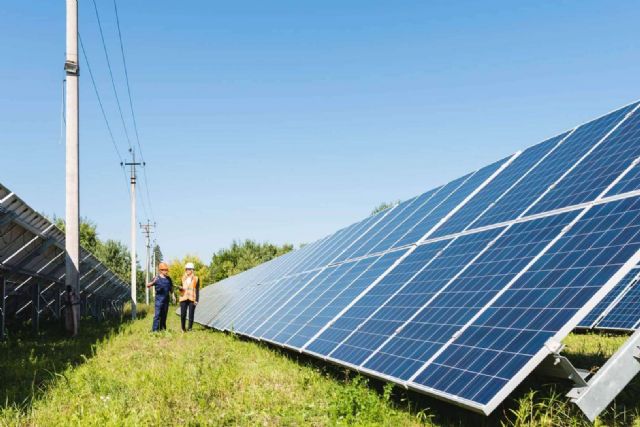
283	121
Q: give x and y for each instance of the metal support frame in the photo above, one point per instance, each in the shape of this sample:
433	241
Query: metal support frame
594	396
35	318
3	291
558	366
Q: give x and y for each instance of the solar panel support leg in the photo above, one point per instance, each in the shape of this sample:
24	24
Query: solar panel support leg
60	294
610	379
558	366
3	291
35	303
56	306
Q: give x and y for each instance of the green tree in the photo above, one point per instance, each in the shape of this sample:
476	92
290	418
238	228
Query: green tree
116	256
241	256
158	253
383	206
88	233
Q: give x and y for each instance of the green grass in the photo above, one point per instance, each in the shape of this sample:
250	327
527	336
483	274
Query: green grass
121	374
134	377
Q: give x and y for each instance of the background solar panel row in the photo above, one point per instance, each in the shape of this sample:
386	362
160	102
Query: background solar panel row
455	292
32	263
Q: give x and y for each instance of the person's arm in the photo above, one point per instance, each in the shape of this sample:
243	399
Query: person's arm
197	290
153	282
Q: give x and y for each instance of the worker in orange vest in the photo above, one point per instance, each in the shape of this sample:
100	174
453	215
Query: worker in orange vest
189	295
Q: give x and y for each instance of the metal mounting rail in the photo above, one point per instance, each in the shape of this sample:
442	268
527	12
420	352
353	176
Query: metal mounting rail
593	397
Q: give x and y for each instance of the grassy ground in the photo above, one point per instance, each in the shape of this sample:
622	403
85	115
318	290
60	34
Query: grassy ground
125	375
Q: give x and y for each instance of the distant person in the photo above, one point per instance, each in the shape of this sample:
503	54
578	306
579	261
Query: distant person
164	288
71	311
189	295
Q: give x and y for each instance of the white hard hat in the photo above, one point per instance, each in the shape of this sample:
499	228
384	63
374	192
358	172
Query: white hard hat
189	266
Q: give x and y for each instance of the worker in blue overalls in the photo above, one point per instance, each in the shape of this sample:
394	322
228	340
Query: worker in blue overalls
164	288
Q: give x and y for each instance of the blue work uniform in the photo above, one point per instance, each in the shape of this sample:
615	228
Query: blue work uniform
164	287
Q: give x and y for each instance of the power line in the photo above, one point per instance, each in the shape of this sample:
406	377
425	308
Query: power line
126	75
95	89
102	110
133	116
113	83
146	186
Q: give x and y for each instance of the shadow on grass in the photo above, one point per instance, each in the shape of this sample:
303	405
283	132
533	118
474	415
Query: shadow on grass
30	362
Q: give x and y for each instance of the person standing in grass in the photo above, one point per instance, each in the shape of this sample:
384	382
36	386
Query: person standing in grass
189	295
164	288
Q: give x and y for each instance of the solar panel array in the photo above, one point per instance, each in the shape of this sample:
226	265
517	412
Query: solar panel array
461	291
620	309
32	268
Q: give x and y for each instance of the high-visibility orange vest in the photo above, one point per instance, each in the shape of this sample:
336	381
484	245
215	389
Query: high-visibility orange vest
189	290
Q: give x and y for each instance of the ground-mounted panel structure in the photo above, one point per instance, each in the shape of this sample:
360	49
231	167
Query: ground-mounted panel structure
32	269
463	291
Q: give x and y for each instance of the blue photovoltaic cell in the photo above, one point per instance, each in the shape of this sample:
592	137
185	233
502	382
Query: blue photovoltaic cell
337	297
356	314
386	225
598	170
243	306
390	313
487	355
419	214
550	169
279	318
302	315
291	263
351	234
463	298
422	227
309	262
628	136
270	301
626	313
209	297
286	323
497	187
597	311
217	298
422	204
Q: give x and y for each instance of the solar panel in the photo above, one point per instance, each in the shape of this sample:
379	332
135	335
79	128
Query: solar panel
625	313
449	307
538	305
32	269
462	291
607	303
619	309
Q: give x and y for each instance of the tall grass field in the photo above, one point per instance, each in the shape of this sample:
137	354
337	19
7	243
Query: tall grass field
120	374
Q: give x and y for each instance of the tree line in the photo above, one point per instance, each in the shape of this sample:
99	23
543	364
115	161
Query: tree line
238	257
